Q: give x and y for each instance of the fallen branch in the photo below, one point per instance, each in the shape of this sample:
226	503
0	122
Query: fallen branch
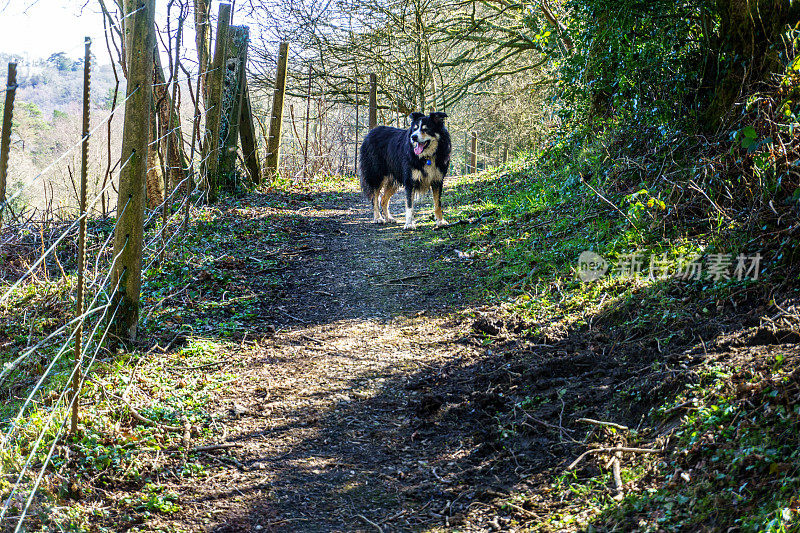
602	423
138	416
529	514
617	476
611	450
370	522
212	447
406	278
143	419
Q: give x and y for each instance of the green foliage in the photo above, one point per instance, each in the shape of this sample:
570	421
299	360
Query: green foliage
639	61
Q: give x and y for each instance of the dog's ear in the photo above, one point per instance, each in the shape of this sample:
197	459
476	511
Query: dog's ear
438	117
415	116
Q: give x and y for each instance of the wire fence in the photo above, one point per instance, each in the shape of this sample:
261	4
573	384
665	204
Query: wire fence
45	367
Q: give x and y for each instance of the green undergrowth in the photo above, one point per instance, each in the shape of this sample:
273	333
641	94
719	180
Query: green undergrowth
144	404
729	426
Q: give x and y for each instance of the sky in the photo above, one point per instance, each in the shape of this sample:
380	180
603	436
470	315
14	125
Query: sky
39	28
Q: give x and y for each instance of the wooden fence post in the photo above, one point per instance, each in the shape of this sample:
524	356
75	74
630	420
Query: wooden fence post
238	38
76	377
247	133
308	126
356	132
210	155
373	100
202	41
466	153
127	274
276	120
5	142
473	156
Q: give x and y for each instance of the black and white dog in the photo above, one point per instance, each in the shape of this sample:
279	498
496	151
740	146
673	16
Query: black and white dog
416	159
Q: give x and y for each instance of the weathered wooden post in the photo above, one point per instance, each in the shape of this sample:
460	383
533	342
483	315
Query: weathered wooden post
238	37
473	155
308	126
373	101
356	133
76	373
127	273
247	133
214	103
5	141
466	153
276	121
202	40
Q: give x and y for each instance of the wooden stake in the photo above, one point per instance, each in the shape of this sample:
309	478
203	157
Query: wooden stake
127	274
373	101
308	125
76	373
466	153
247	134
5	141
276	121
202	39
357	132
214	104
473	156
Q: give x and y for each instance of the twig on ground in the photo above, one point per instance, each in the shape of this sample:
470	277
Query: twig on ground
312	339
200	367
611	450
406	278
143	419
602	423
522	510
370	522
617	476
212	447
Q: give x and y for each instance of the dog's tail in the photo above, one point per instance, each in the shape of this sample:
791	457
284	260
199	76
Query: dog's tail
366	188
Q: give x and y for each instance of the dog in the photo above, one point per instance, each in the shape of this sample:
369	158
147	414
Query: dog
416	159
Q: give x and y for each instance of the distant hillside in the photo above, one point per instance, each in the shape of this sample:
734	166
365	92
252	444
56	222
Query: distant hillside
55	84
47	122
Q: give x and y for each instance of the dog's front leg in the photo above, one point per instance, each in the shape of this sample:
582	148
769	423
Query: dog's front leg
410	208
436	188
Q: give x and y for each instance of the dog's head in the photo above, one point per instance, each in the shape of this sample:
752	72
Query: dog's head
426	132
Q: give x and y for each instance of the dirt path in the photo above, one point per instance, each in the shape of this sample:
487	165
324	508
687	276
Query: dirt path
372	391
334	420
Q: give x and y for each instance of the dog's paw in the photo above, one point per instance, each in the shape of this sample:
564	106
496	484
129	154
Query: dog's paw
410	225
378	220
391	220
442	223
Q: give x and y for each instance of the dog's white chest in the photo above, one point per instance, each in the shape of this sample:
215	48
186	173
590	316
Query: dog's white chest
427	175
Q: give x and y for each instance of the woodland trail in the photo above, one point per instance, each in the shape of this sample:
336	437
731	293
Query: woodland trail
334	423
369	387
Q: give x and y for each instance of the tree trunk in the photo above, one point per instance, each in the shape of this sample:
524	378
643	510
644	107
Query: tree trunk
202	39
176	158
154	179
